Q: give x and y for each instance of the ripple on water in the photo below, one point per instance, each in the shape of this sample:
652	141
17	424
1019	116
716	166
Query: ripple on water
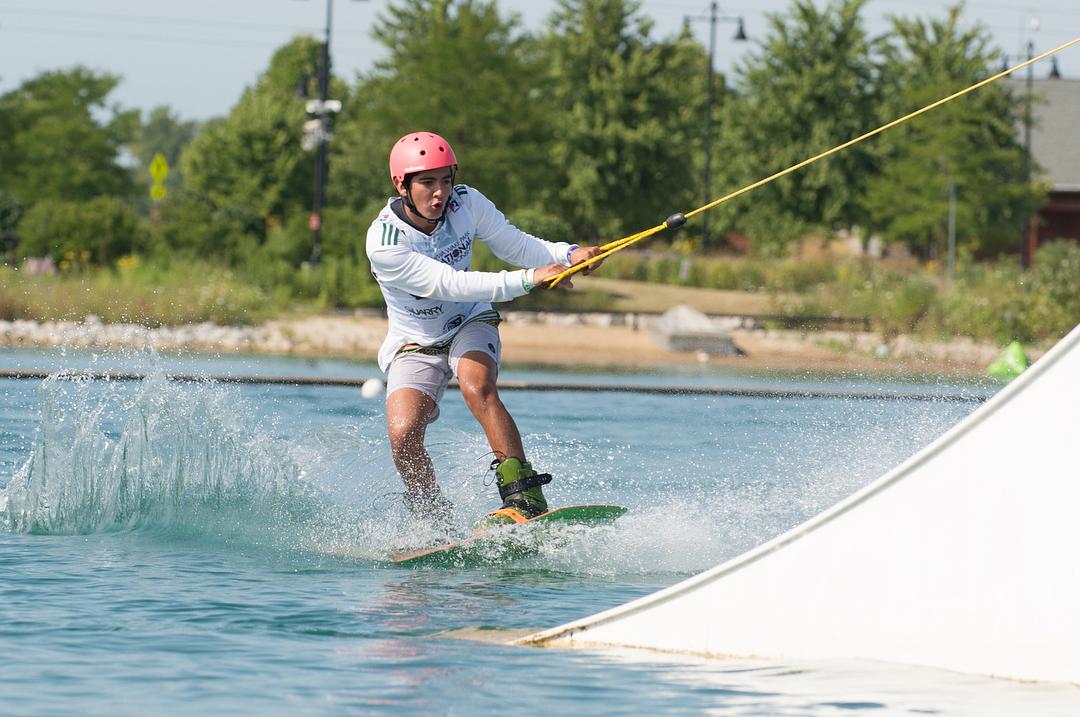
199	549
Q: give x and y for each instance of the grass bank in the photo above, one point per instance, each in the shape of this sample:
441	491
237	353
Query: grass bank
984	300
993	300
137	292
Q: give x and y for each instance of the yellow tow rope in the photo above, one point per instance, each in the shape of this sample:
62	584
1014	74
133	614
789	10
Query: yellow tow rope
677	220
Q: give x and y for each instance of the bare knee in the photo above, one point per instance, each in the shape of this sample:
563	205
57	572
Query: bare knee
411	458
406	436
479	395
476	373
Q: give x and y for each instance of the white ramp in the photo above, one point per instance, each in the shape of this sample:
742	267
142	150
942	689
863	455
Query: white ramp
966	557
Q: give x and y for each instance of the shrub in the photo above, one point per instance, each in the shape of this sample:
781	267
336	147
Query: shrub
1052	293
290	243
11	210
96	231
541	224
139	292
800	275
336	281
191	225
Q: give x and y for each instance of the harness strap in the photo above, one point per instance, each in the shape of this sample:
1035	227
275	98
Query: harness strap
487	317
425	350
524	484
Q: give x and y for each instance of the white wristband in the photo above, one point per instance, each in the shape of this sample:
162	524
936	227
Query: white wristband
527	280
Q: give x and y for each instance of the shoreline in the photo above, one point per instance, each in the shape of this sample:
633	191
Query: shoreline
532	339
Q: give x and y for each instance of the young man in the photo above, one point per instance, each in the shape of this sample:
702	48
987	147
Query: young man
441	322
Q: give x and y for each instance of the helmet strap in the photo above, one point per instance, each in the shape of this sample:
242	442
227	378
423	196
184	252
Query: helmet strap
407	181
416	212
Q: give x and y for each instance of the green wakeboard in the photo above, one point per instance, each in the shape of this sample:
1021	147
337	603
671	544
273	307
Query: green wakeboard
509	542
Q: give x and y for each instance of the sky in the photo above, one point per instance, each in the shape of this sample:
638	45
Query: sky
197	56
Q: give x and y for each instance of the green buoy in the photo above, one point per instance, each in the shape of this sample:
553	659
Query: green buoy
1011	363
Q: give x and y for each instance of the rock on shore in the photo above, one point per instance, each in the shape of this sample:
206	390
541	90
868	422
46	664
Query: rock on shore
598	340
314	335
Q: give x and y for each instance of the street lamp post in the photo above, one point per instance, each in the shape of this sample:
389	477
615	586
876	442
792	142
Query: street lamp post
1025	232
740	35
315	223
317	134
1028	232
708	127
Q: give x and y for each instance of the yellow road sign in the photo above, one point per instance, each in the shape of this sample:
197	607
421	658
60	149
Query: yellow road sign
159	168
157	192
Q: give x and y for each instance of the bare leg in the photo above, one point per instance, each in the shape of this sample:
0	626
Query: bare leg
407	412
476	372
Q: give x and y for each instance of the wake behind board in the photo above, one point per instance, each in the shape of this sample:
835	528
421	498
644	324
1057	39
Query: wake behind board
509	542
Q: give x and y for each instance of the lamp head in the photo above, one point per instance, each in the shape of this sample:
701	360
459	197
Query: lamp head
740	32
1055	71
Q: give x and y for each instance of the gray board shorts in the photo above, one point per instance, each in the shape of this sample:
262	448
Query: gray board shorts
430	370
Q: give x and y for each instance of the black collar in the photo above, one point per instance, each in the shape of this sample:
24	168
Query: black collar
398	207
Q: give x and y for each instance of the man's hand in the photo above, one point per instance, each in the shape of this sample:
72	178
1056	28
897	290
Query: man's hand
584	253
541	274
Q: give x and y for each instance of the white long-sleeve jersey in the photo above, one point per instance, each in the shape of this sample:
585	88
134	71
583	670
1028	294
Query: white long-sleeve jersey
425	279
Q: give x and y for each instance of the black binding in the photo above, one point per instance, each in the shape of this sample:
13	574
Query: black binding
524	484
529	511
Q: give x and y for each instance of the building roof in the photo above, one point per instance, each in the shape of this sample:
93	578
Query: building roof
1054	144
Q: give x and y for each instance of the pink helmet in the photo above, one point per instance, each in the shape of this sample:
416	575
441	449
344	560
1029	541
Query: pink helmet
419	152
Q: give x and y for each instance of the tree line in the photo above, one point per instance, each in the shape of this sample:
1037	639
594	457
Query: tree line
586	131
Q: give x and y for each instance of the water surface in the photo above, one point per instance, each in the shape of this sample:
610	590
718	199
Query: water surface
192	548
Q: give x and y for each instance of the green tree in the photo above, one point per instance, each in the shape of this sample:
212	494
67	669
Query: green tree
162	131
11	210
812	86
629	110
96	231
59	139
458	68
250	163
192	226
971	141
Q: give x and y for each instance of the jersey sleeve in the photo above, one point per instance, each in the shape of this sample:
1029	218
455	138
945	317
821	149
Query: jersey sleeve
397	266
507	241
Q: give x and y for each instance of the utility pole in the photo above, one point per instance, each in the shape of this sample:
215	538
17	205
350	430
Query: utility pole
315	222
740	36
708	126
951	254
317	134
1029	232
1026	245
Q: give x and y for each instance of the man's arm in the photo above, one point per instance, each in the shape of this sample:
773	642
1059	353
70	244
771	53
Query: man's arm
521	248
507	241
419	275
